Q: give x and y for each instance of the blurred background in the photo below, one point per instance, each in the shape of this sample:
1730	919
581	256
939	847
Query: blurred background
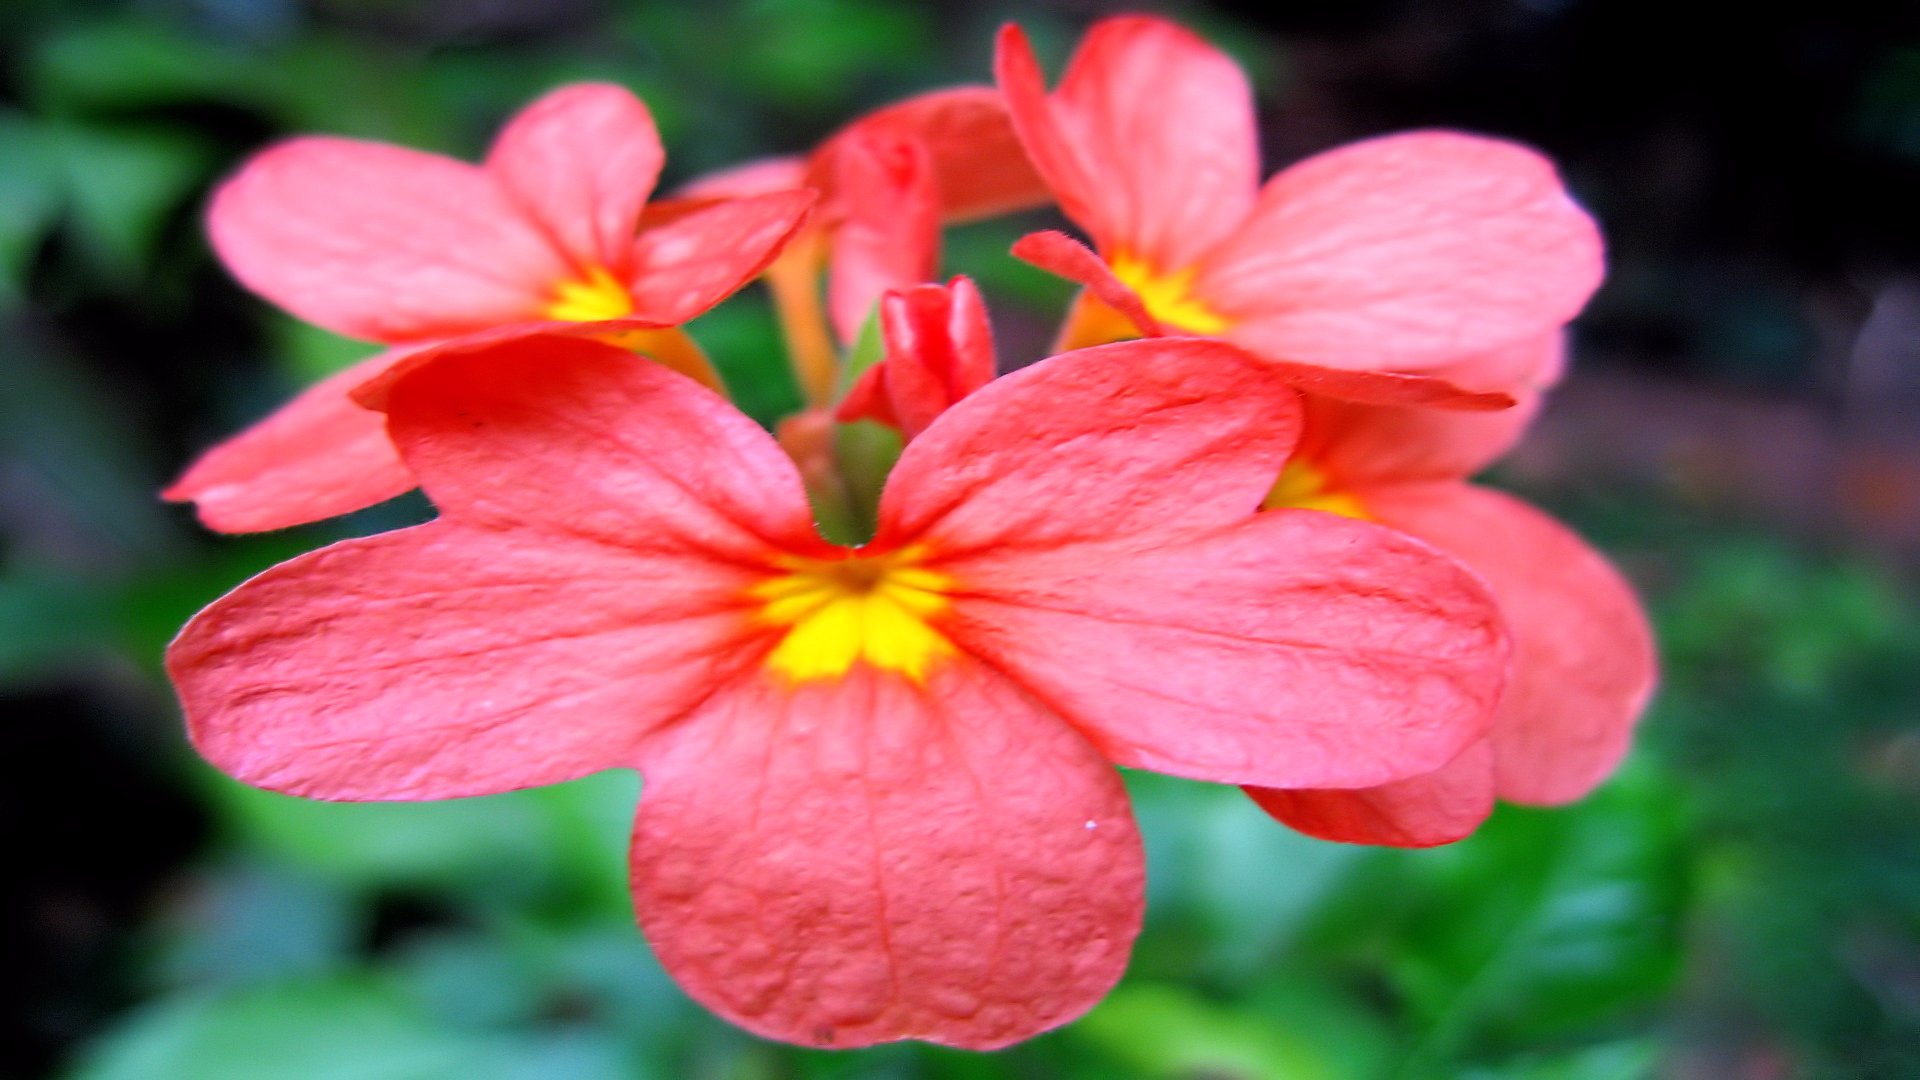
1741	432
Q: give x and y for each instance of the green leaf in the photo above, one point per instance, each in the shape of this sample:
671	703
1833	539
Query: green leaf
124	182
29	196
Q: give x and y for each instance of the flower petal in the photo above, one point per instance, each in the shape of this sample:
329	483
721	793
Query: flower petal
887	233
1139	437
683	266
1439	807
1058	253
1584	662
569	437
581	162
977	162
1358	446
1404	253
1148	142
315	457
1290	649
856	861
444	661
380	242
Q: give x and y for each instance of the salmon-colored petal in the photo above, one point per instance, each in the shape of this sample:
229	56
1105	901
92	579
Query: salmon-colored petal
317	456
581	162
567	437
444	661
978	165
861	860
1290	649
380	242
887	233
1439	807
939	350
1408	252
1584	662
761	176
1137	438
1357	446
686	265
1148	142
1057	253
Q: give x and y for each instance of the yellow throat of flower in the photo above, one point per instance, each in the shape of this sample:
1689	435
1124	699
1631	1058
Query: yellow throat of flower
1302	486
872	608
1169	297
594	298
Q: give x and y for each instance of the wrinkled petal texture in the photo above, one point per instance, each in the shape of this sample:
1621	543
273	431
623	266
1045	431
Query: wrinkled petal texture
581	162
316	456
1584	662
443	661
1149	141
601	519
685	265
865	860
1407	252
1439	807
888	231
574	438
1134	438
380	242
1289	649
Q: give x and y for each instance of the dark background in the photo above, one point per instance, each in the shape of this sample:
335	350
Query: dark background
1740	432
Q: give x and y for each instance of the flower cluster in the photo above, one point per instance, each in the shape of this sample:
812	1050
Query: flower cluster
1225	533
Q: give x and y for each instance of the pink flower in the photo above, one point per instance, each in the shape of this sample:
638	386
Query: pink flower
413	249
879	798
1410	253
1583	665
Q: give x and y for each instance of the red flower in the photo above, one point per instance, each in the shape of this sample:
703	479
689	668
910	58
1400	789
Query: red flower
879	800
1583	664
939	350
412	249
1410	253
888	182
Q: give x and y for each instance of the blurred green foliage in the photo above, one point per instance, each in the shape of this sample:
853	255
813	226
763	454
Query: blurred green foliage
1746	890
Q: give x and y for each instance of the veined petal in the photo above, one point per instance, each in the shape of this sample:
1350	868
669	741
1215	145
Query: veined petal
1406	252
1148	142
317	456
887	232
581	162
1290	649
1439	807
569	437
855	861
685	265
444	661
1135	438
1584	662
380	242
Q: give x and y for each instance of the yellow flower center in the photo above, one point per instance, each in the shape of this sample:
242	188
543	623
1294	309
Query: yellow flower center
596	297
866	607
1169	297
1303	487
